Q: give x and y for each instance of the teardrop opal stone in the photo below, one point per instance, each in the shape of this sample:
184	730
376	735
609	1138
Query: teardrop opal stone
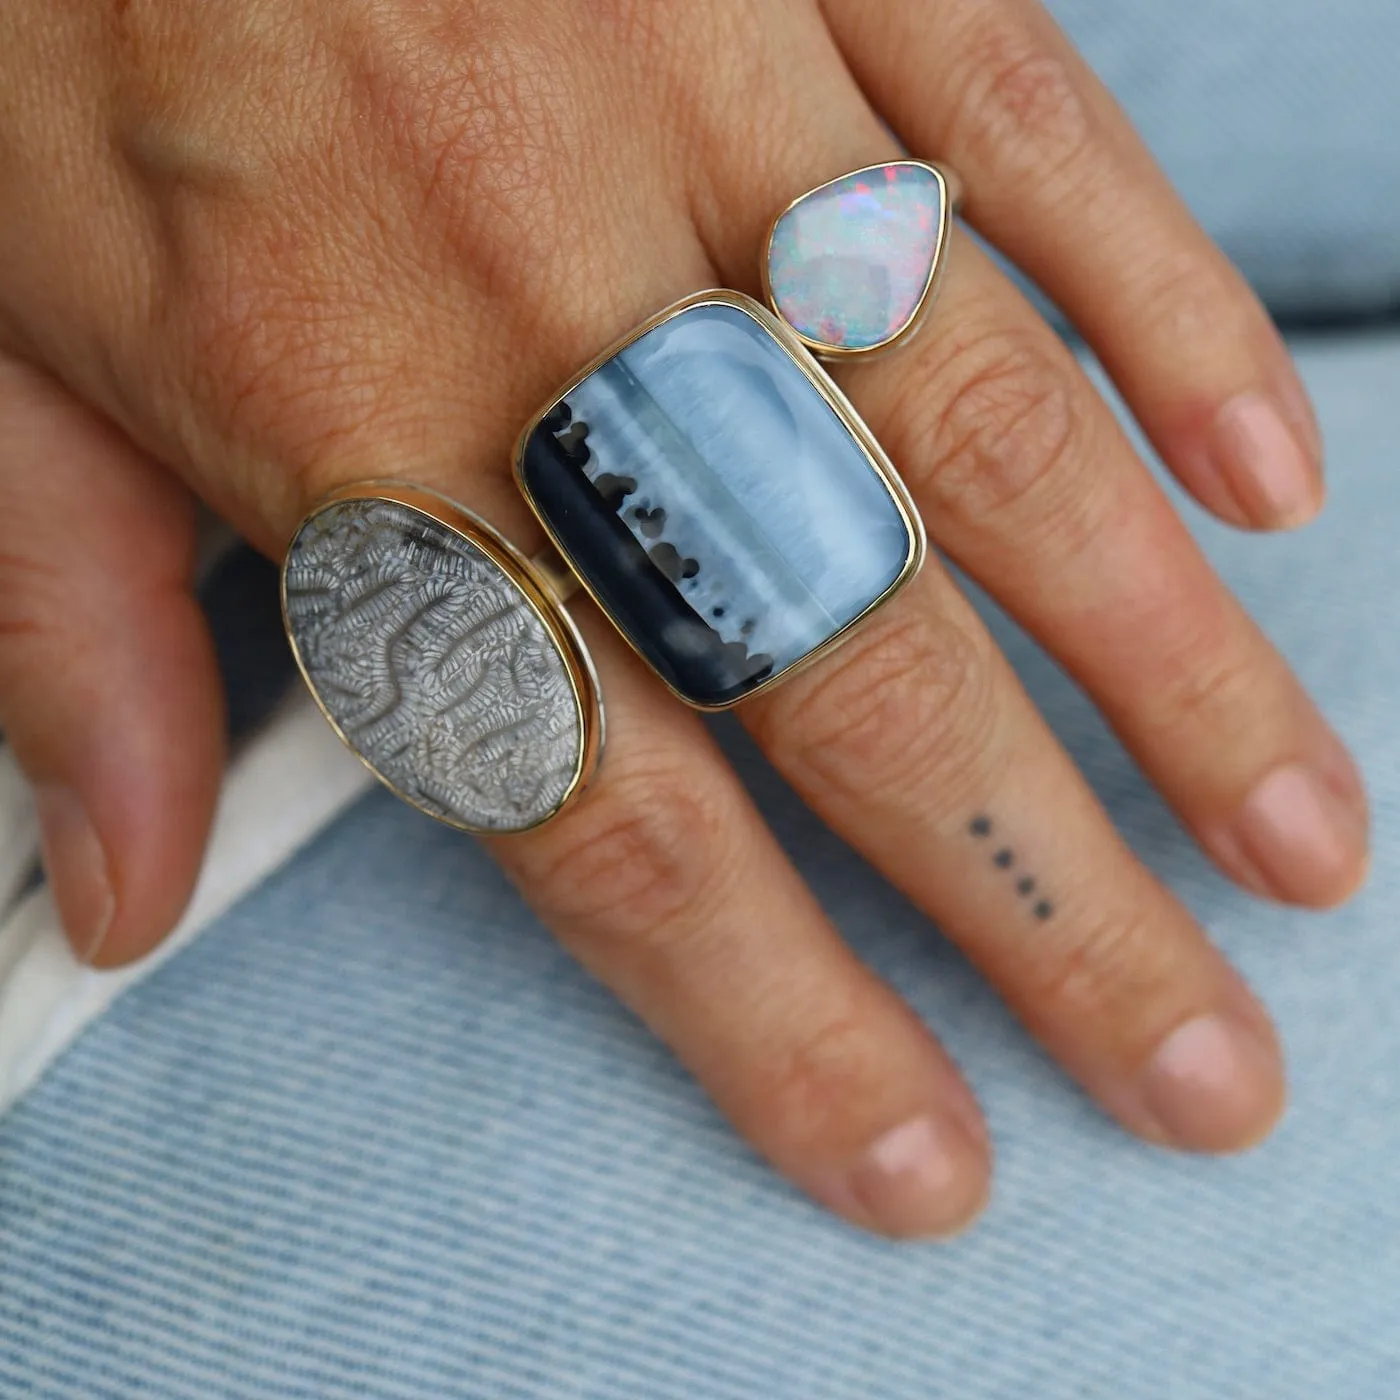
849	264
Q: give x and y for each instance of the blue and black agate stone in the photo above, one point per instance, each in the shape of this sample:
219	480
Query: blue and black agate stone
715	502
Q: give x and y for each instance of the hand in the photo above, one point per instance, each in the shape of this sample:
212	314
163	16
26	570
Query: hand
254	249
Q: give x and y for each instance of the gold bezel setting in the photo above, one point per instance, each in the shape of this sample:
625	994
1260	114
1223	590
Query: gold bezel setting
795	347
534	590
950	197
542	586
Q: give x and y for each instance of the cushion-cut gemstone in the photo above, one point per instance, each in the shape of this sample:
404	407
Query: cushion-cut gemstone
718	506
849	264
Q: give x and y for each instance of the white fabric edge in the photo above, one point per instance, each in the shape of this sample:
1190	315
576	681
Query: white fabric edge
286	786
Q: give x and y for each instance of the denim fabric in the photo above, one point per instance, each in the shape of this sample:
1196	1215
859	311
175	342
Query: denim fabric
375	1135
1279	122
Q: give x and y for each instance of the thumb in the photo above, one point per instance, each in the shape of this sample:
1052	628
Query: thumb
109	692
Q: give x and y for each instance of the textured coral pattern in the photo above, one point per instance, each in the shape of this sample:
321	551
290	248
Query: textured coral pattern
433	665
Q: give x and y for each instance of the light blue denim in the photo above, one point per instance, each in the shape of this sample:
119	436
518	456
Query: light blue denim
376	1136
1279	121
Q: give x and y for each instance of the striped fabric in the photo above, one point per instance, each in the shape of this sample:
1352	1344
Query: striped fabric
373	1135
1278	120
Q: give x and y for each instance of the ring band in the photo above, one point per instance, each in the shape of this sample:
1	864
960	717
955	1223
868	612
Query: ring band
703	480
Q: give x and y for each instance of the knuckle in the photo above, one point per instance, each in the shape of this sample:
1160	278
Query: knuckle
1021	104
1185	290
1005	440
821	1080
906	703
1198	691
648	850
1109	968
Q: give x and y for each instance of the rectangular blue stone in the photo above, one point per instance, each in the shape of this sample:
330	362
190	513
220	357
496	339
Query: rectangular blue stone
718	505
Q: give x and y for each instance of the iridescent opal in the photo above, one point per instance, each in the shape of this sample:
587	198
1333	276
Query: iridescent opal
849	264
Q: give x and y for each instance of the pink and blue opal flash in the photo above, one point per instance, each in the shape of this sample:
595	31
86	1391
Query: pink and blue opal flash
850	263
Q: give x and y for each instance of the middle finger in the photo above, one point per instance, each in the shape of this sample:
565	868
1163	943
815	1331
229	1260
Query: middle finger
918	743
1026	479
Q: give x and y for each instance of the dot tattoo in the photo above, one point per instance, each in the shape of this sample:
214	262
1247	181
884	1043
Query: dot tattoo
1026	885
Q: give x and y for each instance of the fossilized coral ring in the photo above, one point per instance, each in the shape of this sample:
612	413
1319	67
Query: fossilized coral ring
703	480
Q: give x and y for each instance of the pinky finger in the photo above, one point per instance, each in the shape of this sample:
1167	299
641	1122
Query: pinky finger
109	691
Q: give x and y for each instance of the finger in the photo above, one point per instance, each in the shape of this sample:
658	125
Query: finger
108	686
917	744
1026	479
1058	180
667	885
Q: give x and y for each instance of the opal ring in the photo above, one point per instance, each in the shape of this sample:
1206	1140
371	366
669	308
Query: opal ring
854	265
703	480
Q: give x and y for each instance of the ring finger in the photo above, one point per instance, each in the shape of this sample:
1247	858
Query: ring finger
918	744
662	878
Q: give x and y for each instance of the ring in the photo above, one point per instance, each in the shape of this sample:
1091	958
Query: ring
703	480
853	266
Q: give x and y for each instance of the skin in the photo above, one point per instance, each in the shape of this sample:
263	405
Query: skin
253	249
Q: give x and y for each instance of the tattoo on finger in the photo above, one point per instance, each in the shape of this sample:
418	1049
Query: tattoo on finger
981	829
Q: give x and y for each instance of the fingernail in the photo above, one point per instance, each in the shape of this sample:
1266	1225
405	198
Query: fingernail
925	1178
1304	836
1214	1085
77	868
1273	476
1300	412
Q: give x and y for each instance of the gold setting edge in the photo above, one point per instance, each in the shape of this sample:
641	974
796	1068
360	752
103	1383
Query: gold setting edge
542	599
879	462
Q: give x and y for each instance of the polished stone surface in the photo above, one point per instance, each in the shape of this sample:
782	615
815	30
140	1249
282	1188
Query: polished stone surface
435	669
849	264
716	503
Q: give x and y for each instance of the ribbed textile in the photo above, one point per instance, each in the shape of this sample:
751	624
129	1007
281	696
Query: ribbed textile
374	1135
1278	120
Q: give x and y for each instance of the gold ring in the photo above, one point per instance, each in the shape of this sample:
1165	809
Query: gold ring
854	265
703	480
